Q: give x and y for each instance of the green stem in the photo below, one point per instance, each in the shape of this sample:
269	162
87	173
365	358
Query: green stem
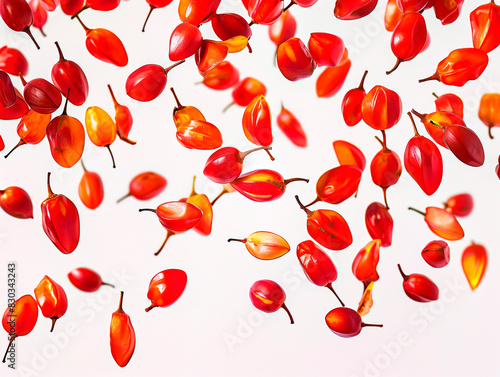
416	210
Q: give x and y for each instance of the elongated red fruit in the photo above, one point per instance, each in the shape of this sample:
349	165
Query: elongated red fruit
408	38
460	66
13	61
86	280
122	336
346	322
225	164
67	74
327	227
351	104
353	9
436	254
465	145
317	265
423	162
262	185
16	202
294	60
61	221
185	40
166	287
105	45
268	296
419	287
379	223
291	127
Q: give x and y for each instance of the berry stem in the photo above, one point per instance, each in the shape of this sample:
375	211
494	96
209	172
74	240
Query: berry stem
112	157
169	233
287	181
435	76
125	139
370	325
49	189
120	310
123	197
384	191
288	312
80	11
307	211
21	142
318	199
8	346
147	209
489	132
269	154
398	62
402	273
193	192
173	66
80	21
224	191
112	95
329	286
179	106
54	319
153	305
227	107
28	31
66	103
61	56
244	240
416	210
413	123
242	155
151	8
288	6
362	83
420	116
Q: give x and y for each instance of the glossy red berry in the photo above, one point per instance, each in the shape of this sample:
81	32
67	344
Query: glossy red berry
423	162
345	322
460	205
16	202
419	287
294	60
268	296
379	223
436	254
226	164
317	265
86	280
166	287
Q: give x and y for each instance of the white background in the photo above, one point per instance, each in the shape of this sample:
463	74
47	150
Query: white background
213	330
